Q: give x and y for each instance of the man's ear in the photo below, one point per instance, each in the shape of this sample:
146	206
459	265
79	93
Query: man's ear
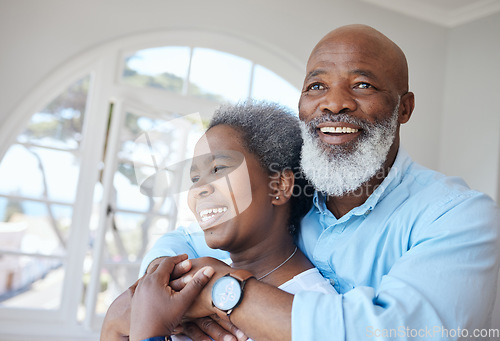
282	187
406	107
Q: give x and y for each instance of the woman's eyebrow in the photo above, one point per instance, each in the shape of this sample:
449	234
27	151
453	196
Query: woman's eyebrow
222	156
207	159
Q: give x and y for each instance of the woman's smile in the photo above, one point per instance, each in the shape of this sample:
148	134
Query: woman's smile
209	216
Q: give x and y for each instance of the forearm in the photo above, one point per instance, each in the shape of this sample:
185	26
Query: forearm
111	335
264	313
110	332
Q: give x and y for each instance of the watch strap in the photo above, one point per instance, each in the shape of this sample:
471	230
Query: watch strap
241	275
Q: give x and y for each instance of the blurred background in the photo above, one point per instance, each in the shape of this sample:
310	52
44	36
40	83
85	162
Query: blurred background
82	82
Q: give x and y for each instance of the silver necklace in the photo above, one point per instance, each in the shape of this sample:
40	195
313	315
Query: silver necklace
279	266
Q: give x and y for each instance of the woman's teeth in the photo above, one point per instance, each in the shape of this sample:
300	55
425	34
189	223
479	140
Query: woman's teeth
209	213
338	130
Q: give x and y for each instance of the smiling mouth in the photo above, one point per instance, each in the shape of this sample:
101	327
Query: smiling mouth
210	213
338	130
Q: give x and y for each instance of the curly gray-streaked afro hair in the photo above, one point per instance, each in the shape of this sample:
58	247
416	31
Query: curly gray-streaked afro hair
272	133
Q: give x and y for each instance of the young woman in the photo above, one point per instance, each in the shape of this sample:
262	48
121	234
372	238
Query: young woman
249	196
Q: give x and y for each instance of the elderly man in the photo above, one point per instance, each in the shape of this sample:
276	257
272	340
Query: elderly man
412	253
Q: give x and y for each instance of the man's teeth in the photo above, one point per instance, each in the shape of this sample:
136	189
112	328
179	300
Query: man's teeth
207	214
338	130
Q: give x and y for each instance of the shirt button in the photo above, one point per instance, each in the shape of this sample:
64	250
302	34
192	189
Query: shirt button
332	281
367	212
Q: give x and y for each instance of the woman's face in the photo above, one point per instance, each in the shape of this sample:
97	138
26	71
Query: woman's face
231	195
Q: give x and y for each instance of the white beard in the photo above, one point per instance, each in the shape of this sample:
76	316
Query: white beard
336	170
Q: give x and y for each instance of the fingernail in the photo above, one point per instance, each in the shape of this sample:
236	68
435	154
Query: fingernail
185	264
187	278
239	334
208	272
229	338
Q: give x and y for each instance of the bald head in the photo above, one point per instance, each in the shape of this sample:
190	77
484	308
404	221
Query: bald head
373	43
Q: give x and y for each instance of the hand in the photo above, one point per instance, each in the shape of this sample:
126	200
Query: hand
156	308
204	321
116	325
202	306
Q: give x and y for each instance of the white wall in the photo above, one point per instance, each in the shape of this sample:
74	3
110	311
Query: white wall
471	116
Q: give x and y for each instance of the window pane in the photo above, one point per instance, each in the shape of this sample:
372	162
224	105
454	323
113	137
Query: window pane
43	228
38	173
129	195
115	278
219	76
185	216
125	247
126	244
125	240
30	282
269	86
147	145
40	229
161	67
60	123
162	134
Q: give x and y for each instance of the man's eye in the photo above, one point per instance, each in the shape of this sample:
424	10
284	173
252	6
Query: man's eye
364	86
315	86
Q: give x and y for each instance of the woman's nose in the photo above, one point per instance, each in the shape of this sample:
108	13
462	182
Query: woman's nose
201	190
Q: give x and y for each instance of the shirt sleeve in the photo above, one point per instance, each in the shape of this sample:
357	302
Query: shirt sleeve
189	240
442	287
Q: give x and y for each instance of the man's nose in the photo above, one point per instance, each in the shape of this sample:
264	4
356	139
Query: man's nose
338	101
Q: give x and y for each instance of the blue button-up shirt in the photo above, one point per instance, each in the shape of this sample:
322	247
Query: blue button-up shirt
418	260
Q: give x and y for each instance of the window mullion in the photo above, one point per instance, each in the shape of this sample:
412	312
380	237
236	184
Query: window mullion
91	152
250	87
185	88
104	213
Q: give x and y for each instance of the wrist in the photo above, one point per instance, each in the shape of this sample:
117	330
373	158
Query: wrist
228	291
148	329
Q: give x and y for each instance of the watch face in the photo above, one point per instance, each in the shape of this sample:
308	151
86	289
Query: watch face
226	293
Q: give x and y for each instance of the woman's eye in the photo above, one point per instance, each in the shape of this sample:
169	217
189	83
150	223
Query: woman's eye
195	179
217	169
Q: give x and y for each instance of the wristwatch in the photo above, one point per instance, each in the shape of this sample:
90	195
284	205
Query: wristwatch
227	292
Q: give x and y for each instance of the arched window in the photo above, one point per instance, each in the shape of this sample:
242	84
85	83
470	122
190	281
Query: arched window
74	222
206	73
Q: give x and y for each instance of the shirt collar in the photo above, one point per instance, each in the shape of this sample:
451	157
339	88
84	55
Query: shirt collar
393	179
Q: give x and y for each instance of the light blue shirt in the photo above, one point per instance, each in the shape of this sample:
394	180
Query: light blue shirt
418	260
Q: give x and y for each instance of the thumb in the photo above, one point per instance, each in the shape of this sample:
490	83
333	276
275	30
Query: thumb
195	285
